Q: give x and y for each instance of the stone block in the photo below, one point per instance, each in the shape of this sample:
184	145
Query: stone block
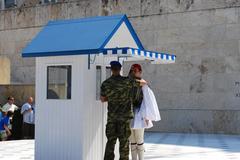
232	3
93	8
76	10
8	47
182	35
232	64
5	70
132	8
43	14
58	11
23	75
225	122
228	48
10	20
151	7
152	23
188	19
28	3
211	65
198	121
183	5
232	32
1	20
189	121
148	37
26	34
224	16
19	45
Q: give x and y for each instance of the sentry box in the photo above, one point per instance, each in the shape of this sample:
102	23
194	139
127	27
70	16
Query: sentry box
72	58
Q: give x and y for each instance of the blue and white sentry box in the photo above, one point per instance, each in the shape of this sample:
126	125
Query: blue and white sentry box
71	62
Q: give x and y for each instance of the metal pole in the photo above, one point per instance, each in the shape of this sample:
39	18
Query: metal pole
89	61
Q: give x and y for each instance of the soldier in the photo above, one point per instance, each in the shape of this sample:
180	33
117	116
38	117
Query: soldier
117	91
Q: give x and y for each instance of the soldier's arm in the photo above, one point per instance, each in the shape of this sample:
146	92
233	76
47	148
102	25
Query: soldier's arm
103	96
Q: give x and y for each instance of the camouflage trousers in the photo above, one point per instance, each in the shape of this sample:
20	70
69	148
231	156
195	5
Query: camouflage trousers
117	130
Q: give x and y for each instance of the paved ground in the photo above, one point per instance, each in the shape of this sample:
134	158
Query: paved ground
159	146
191	147
17	150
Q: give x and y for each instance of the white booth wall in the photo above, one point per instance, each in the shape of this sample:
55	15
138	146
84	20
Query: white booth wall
69	129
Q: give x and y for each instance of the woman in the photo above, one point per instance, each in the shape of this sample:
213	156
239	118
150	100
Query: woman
145	111
137	135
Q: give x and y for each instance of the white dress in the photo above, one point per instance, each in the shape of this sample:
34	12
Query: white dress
148	110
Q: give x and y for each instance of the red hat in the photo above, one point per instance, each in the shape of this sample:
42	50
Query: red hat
136	66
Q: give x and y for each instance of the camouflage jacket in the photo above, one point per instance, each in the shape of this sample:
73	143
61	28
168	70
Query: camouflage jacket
118	90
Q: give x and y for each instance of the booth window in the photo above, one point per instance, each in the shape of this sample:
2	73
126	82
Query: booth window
1	4
9	3
49	1
98	81
59	79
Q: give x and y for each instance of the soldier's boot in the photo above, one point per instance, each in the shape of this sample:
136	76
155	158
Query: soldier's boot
134	151
140	151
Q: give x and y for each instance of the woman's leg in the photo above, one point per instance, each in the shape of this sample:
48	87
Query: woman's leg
133	144
139	134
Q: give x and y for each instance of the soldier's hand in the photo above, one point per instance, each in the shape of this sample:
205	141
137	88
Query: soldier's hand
142	82
103	99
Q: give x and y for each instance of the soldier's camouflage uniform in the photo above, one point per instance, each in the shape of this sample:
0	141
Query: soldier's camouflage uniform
118	91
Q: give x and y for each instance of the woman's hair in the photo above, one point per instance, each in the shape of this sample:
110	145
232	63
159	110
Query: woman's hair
130	72
133	68
136	67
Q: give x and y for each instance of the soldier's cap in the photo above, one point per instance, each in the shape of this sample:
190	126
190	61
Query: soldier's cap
115	64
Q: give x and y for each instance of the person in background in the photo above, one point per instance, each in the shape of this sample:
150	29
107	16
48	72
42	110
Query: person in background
28	118
137	135
33	122
4	129
17	123
1	113
9	106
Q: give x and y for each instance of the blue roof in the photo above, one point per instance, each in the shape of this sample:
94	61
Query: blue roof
77	36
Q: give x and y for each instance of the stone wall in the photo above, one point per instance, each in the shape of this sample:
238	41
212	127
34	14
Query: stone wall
200	93
4	70
19	92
